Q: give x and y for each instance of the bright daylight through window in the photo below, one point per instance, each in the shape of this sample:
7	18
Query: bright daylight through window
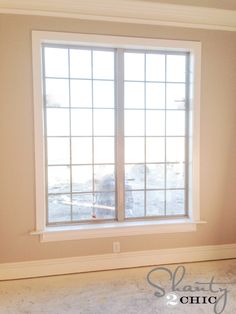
117	132
80	120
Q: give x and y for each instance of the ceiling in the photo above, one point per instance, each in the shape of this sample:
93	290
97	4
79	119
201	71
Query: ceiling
219	4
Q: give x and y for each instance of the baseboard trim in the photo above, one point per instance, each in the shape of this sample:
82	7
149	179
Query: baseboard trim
71	265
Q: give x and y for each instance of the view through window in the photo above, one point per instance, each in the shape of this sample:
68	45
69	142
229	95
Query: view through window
111	114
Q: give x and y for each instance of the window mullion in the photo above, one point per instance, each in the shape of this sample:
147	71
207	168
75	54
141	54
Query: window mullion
187	135
120	134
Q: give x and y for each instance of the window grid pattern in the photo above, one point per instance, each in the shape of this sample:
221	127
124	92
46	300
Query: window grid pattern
170	199
72	197
77	185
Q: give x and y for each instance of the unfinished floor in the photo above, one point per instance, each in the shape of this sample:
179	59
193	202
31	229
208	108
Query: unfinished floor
120	291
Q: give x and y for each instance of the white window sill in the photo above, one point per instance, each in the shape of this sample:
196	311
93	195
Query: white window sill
116	229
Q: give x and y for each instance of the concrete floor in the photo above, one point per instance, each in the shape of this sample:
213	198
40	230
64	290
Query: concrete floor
123	291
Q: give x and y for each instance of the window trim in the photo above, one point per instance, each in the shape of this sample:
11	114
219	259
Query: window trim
126	227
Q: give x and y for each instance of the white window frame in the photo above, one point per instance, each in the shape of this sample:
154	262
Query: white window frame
126	228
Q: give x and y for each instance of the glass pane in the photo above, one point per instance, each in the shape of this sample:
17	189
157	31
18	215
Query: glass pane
134	66
155	123
155	67
134	204
175	123
103	122
80	63
134	95
58	122
82	177
155	203
59	208
155	96
103	94
175	96
103	150
155	149
81	150
57	93
82	207
134	122
175	202
58	179
56	62
134	177
175	149
155	176
99	206
104	178
134	150
58	150
103	65
81	93
175	175
104	205
81	122
176	68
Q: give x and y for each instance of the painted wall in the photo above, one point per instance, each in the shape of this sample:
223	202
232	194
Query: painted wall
218	140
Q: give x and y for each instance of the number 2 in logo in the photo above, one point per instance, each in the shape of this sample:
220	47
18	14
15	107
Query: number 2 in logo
172	299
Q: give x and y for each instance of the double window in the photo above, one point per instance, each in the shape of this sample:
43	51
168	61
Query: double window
116	131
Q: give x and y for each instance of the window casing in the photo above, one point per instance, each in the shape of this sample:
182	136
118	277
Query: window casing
148	159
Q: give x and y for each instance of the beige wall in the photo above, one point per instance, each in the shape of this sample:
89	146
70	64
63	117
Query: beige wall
218	138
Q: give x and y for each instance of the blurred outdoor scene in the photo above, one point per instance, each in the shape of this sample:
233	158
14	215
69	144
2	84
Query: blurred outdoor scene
81	129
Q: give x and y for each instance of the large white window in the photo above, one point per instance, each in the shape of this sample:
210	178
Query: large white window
116	133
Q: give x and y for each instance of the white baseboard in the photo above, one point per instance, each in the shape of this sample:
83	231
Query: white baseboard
71	265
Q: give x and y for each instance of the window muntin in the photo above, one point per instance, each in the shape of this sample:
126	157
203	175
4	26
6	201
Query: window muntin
156	133
79	128
81	178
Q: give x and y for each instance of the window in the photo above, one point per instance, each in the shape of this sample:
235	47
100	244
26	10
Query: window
80	135
116	130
